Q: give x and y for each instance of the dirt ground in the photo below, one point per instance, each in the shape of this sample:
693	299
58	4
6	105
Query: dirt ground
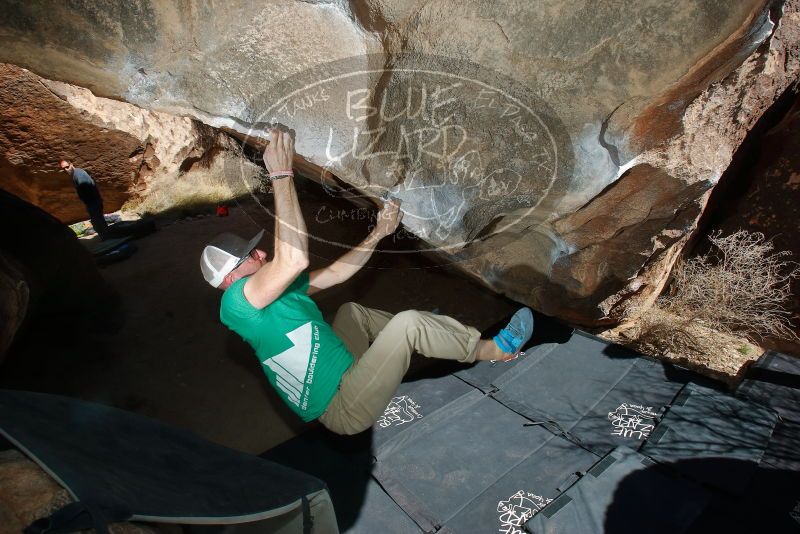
723	357
170	358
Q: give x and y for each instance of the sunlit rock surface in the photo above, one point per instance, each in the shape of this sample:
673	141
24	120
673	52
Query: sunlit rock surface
121	146
518	174
38	129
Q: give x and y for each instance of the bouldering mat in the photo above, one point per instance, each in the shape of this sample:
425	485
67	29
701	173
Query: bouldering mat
703	424
623	493
121	466
774	381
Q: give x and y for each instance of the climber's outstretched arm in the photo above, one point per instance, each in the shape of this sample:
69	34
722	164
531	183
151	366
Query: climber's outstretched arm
346	266
291	238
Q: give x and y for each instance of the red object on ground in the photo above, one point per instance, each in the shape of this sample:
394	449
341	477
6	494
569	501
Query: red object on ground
222	211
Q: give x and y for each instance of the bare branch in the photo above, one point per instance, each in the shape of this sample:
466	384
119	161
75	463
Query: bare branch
741	287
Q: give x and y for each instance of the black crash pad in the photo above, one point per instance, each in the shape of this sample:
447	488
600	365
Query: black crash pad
774	381
487	451
484	374
517	495
703	424
344	463
771	501
625	492
100	247
598	394
415	401
123	466
453	459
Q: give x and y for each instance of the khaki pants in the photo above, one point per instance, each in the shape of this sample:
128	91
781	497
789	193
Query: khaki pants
382	344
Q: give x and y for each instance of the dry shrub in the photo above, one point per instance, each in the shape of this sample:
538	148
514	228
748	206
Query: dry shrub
741	288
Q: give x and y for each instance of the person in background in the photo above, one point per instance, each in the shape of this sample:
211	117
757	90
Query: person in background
87	191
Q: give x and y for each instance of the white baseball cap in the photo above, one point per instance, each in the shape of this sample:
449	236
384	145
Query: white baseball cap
225	253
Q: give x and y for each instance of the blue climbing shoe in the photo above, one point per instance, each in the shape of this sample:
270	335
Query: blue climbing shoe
517	332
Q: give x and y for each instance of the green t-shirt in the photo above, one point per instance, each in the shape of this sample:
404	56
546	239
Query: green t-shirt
301	355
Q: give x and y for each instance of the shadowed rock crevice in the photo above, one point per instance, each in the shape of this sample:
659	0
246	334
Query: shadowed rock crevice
760	192
633	224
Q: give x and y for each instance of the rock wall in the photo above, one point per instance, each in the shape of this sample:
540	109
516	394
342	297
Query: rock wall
599	277
46	275
38	129
768	199
169	146
27	493
14	300
122	146
559	153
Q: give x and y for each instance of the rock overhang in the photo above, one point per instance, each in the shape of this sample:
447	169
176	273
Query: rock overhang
620	80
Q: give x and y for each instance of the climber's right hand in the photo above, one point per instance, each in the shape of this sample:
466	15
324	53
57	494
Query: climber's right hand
279	154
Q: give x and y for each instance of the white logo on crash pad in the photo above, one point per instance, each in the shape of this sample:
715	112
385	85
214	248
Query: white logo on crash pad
400	410
632	421
518	509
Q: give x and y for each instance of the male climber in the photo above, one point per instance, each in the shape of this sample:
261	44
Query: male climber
344	375
87	191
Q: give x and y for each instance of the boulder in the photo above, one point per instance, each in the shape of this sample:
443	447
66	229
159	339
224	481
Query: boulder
126	149
27	493
559	153
48	280
767	199
14	300
170	147
38	129
594	266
